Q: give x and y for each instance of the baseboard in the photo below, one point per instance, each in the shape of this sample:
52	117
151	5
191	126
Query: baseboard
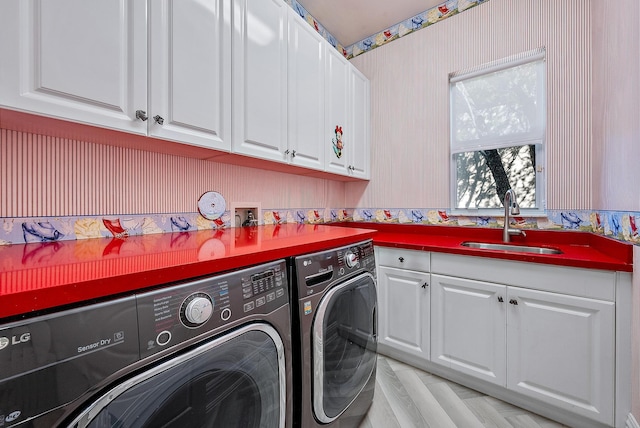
631	422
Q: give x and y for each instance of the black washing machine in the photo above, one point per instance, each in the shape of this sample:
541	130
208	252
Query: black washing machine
335	335
213	352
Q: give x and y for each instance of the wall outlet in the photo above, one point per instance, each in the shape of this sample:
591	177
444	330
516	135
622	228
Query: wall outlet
245	214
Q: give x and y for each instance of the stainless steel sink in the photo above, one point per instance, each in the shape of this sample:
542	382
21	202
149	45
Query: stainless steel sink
512	248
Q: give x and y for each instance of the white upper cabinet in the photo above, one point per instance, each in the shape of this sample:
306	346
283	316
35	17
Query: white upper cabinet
84	61
260	78
306	94
360	155
338	130
296	99
249	77
190	72
347	118
91	62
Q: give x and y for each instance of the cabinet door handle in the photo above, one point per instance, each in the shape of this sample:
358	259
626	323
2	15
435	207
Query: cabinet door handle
500	299
401	259
159	119
425	285
142	115
513	301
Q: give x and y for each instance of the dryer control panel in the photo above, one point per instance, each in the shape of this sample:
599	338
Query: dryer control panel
321	269
48	360
174	314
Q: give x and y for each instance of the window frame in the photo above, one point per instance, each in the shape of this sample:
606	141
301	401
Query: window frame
537	139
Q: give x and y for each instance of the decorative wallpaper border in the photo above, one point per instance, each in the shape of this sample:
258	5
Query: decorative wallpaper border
300	10
422	20
621	225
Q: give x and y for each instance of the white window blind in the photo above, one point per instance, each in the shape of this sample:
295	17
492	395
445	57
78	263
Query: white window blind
500	104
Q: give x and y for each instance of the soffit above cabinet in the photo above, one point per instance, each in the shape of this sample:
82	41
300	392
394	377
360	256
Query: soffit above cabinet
352	21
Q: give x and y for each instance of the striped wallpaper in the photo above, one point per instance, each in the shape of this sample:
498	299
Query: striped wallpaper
410	123
47	176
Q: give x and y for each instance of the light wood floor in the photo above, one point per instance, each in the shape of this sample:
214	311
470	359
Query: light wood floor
407	397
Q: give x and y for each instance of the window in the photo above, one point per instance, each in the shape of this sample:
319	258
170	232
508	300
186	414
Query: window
497	135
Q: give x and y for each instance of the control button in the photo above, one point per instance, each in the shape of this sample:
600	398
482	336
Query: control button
350	259
260	301
198	310
271	297
163	338
279	292
249	306
225	314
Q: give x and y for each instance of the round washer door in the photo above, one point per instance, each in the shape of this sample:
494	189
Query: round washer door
344	345
236	380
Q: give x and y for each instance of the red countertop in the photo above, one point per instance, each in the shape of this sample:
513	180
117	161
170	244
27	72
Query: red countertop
40	276
579	249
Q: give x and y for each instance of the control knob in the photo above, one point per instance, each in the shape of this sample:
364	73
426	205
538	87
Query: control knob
350	259
197	310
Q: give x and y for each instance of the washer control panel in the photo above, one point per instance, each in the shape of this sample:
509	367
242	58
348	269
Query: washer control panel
171	315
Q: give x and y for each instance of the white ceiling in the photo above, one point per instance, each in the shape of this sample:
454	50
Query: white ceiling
351	21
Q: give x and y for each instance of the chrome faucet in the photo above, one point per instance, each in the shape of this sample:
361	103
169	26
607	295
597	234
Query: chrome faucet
510	207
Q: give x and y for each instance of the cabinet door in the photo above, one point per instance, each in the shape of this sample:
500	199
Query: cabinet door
359	164
260	78
338	133
561	351
468	327
306	94
403	318
84	61
190	72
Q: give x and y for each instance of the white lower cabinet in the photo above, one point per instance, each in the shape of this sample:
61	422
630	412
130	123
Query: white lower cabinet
553	347
468	327
561	350
404	301
553	339
403	320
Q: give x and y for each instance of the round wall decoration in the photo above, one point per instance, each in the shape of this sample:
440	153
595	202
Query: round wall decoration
212	205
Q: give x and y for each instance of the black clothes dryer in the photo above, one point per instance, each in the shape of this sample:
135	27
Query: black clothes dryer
335	339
